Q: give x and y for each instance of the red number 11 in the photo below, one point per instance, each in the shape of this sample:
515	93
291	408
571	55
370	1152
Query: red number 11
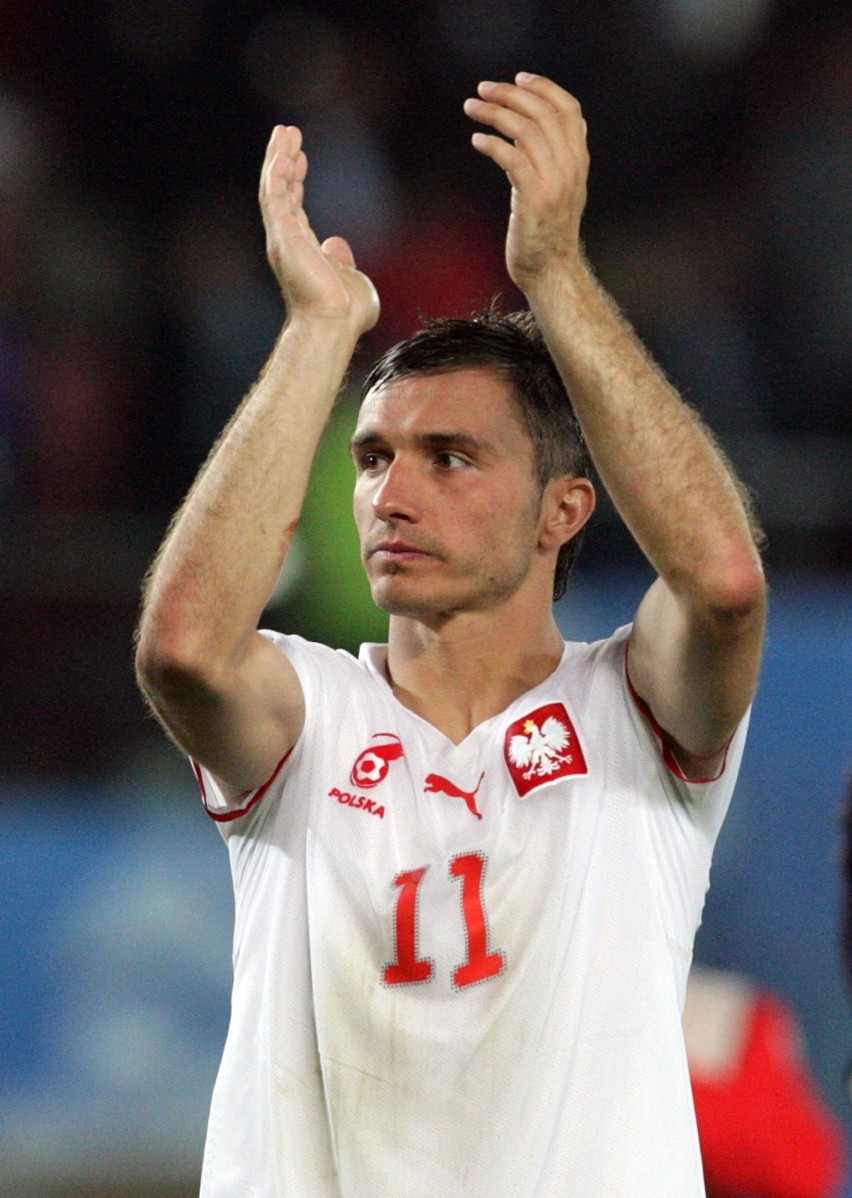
408	967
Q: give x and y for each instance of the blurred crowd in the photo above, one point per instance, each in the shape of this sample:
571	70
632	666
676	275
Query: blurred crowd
136	307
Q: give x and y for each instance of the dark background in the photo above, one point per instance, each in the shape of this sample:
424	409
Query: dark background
136	308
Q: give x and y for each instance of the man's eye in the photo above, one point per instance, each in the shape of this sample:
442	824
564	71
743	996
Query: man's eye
450	461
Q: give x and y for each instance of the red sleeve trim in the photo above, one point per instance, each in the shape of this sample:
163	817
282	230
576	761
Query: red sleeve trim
253	798
669	759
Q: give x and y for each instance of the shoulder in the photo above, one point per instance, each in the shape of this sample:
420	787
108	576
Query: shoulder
590	667
336	685
340	692
592	653
311	658
598	676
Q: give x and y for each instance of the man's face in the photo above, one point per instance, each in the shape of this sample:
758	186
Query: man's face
446	500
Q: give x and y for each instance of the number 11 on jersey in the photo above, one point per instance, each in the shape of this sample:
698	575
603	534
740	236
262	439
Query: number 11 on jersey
408	967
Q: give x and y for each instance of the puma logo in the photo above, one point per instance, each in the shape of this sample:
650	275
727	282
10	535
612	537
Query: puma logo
435	784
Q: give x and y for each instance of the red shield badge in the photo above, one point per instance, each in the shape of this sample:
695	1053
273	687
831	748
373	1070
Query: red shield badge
542	747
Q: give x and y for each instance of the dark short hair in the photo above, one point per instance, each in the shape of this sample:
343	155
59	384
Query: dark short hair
511	345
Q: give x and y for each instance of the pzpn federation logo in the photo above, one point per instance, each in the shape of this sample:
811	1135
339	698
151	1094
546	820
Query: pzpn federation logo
372	765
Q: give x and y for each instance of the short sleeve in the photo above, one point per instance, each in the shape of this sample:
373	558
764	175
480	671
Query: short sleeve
309	662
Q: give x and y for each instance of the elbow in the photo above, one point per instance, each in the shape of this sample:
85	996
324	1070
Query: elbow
158	673
168	665
153	665
736	594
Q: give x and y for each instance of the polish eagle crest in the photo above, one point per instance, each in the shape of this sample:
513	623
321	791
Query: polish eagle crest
543	746
539	751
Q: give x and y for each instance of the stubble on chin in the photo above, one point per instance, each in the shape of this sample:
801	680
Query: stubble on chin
395	602
392	595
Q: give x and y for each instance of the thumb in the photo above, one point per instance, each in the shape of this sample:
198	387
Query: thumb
339	249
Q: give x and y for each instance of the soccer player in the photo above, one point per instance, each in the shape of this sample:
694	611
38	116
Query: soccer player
469	865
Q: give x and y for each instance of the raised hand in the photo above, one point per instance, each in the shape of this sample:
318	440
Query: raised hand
317	280
539	140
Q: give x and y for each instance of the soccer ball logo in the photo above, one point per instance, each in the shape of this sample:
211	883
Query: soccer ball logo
371	767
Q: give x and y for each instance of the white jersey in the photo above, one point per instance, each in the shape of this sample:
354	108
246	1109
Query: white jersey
460	969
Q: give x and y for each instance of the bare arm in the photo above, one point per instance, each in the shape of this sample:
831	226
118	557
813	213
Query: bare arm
696	646
223	692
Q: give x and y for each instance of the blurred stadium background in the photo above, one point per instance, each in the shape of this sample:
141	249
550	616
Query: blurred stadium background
135	310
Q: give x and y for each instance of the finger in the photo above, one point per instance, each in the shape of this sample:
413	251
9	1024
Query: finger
554	95
542	151
295	135
276	189
300	167
560	99
510	123
296	170
513	161
284	169
556	111
523	100
278	143
285	146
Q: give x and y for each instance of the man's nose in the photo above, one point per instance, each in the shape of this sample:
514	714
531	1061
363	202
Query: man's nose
396	496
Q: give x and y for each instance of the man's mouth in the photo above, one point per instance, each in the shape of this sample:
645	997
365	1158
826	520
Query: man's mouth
396	549
393	550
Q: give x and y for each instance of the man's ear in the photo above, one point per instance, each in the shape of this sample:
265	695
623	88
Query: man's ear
566	506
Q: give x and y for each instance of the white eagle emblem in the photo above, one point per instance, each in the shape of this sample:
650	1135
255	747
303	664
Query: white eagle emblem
540	752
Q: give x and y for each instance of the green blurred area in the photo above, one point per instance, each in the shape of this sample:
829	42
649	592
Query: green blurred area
330	598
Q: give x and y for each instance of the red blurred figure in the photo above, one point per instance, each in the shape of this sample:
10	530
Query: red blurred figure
459	277
765	1130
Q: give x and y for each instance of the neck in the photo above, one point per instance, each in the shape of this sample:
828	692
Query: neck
468	667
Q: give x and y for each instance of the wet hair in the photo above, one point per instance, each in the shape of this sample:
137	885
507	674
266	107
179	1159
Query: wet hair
513	347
